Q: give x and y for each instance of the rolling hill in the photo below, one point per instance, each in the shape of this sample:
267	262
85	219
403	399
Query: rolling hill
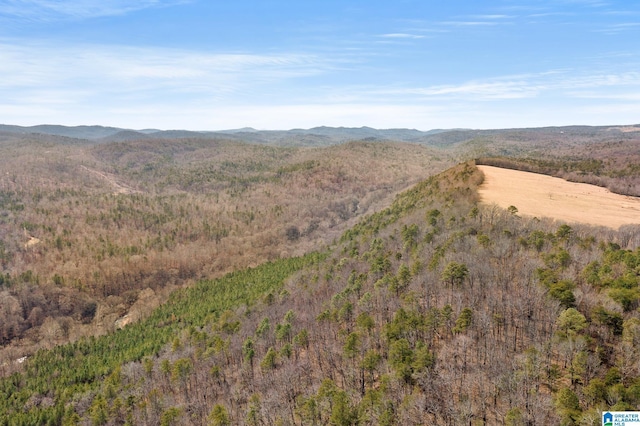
206	280
436	309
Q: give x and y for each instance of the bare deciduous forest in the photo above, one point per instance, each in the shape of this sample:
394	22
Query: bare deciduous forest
86	228
211	281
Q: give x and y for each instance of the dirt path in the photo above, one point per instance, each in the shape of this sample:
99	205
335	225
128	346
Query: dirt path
119	188
545	196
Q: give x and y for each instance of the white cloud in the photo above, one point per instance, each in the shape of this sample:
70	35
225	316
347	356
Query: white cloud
470	23
619	28
482	17
629	97
402	35
621	113
102	68
485	90
77	9
555	83
602	80
588	3
42	82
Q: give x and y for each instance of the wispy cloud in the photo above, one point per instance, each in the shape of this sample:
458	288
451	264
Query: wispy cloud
484	90
39	65
470	23
77	9
621	12
40	82
492	17
603	80
142	87
554	83
627	96
587	3
490	89
549	14
615	29
402	36
479	20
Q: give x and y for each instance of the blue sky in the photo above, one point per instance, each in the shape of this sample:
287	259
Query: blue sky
276	64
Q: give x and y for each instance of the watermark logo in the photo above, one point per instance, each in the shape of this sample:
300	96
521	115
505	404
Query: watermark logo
607	419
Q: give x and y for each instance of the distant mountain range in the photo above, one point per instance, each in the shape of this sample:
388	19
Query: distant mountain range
318	136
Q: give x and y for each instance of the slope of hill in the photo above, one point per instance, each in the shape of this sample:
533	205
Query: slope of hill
435	310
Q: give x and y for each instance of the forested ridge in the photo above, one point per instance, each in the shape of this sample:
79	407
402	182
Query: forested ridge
437	310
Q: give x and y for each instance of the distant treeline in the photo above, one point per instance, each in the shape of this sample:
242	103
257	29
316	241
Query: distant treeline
592	171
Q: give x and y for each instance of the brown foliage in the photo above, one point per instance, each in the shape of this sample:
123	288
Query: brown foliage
83	223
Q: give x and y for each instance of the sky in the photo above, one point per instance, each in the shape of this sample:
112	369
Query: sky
283	64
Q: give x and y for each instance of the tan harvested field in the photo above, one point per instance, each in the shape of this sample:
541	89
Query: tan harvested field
545	196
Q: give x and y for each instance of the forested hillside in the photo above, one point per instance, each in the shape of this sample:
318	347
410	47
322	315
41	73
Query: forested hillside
96	235
435	310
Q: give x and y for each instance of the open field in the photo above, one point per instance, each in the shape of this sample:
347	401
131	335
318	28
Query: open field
539	195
